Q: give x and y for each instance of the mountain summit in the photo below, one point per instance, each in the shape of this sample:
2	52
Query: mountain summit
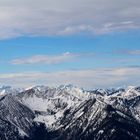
69	113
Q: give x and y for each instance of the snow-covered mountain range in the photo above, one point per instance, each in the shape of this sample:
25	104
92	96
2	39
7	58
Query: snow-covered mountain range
69	113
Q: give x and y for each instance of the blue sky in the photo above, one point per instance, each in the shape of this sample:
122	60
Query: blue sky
55	45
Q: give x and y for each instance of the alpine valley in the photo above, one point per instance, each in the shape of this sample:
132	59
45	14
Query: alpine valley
69	113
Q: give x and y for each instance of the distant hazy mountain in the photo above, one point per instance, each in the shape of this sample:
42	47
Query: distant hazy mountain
69	113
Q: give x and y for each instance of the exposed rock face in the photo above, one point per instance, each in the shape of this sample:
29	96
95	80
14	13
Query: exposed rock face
70	113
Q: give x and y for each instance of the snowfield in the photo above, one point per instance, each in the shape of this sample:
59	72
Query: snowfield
68	112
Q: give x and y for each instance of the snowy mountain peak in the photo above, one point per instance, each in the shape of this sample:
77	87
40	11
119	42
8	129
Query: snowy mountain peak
9	90
68	112
67	86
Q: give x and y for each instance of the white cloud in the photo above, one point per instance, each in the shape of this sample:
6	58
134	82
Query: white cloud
88	79
134	52
45	59
50	59
64	17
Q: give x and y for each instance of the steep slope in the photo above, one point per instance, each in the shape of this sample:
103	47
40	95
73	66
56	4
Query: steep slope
70	113
49	104
126	100
15	118
94	120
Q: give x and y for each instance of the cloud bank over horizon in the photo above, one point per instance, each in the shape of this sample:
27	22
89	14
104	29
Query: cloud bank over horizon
87	79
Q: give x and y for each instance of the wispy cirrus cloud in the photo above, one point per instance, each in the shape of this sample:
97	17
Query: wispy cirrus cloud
61	17
45	59
126	52
50	59
134	52
89	79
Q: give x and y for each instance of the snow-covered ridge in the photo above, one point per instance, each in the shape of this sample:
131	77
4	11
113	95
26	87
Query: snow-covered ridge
125	92
50	103
9	90
65	107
